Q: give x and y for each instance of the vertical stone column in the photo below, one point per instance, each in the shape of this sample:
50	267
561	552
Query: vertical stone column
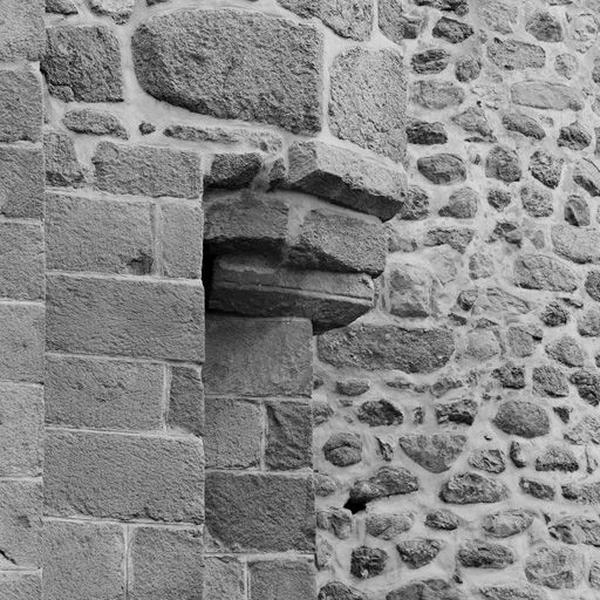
124	492
259	488
21	298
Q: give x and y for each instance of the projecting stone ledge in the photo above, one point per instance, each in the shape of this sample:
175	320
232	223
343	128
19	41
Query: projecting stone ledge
255	287
387	346
347	178
233	64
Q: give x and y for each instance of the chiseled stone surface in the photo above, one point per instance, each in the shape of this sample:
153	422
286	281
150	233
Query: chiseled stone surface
243	71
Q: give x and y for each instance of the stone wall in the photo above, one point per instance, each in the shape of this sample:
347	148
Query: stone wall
321	310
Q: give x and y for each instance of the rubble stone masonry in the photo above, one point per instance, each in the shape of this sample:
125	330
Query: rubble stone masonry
299	299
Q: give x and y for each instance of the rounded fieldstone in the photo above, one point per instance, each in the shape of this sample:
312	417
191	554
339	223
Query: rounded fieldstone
388	526
550	381
503	163
536	202
343	449
566	65
567	351
430	61
336	590
537	489
545	27
442	519
507	523
367	562
557	458
452	31
424	133
437	452
462	204
484	555
368	100
555	314
546	168
467	68
577	211
523	124
592	285
435	94
587	382
379	412
555	567
522	418
473	488
417	553
443	168
574	136
491	460
499	199
514	55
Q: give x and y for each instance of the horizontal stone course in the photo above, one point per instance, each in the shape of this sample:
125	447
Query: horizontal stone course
83	558
94	393
123	477
166	564
20	516
125	317
20	105
239	359
22	342
21	426
260	512
21	261
92	234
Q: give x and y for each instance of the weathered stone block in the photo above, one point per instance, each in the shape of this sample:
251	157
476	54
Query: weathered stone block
334	241
245	221
60	160
276	73
258	288
20	586
542	272
260	512
411	291
21	261
224	577
347	178
555	567
166	564
106	236
118	10
288	435
20	512
181	239
233	435
21	182
83	63
83	558
92	393
546	95
240	358
21	427
186	400
275	579
578	244
233	170
387	346
147	171
348	18
21	30
368	100
22	342
20	105
127	317
87	473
